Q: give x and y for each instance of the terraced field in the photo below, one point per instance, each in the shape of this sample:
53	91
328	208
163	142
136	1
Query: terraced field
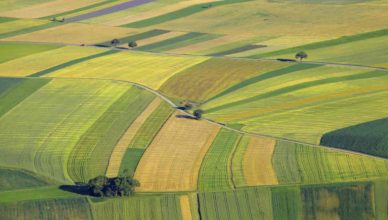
278	138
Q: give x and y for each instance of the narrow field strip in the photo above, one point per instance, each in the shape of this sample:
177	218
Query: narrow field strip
19	24
163	207
80	9
257	162
237	165
213	76
144	136
297	163
10	51
175	40
289	89
237	50
73	33
6	19
185	207
53	59
253	203
104	11
131	66
72	62
90	156
178	14
122	145
162	37
173	160
215	173
28	30
275	73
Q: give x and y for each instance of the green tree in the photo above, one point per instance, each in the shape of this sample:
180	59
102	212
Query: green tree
301	55
132	44
198	113
115	42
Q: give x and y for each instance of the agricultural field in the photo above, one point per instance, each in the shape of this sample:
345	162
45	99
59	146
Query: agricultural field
193	109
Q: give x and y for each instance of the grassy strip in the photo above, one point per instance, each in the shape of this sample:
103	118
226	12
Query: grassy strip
237	50
138	207
328	43
238	162
53	209
174	40
179	14
215	169
49	192
90	156
6	19
151	126
137	37
30	29
261	77
63	14
300	86
10	51
184	43
286	203
11	179
253	203
285	163
131	159
18	93
369	137
72	62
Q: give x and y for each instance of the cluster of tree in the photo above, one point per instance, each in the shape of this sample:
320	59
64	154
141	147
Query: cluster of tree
103	186
115	42
55	19
198	113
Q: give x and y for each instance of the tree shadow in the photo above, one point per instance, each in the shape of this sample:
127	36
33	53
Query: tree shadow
79	188
186	116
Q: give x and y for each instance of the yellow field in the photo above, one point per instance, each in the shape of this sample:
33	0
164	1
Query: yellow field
160	38
185	207
147	69
49	8
153	13
122	145
28	65
75	33
173	160
19	24
257	162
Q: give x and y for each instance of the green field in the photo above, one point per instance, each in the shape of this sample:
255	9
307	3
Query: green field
18	179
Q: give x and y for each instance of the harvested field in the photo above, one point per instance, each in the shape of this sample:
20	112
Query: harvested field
185	207
258	168
173	160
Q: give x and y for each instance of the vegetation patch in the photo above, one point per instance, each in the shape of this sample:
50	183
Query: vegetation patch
10	51
18	179
158	46
237	50
286	203
369	137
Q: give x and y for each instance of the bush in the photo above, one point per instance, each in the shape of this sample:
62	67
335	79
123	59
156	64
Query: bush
198	113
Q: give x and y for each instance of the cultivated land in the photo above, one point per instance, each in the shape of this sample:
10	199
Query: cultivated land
277	140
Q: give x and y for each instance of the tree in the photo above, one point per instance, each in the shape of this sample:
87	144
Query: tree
198	113
123	185
301	55
132	44
115	42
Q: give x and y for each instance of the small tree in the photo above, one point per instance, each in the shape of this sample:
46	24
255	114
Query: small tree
132	44
115	42
198	113
301	55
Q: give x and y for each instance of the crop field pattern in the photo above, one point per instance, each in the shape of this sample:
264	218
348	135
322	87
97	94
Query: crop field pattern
203	102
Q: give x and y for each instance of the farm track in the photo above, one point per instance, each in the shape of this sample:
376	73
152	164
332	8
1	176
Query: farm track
166	99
